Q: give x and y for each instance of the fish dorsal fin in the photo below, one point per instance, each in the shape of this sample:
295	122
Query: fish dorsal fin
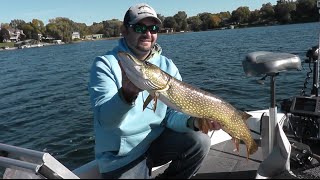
245	116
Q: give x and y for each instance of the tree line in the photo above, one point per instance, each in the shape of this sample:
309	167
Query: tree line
284	12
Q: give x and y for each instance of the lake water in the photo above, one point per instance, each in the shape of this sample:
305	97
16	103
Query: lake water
44	102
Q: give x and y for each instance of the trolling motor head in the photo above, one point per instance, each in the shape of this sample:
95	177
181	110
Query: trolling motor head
312	54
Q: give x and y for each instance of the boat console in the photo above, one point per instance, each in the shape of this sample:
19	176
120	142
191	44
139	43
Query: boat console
306	106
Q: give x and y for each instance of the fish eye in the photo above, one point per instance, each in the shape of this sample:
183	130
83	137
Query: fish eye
147	63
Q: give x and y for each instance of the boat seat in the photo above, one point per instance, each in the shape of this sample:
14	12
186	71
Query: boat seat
270	63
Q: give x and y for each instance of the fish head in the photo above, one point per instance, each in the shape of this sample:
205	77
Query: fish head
142	73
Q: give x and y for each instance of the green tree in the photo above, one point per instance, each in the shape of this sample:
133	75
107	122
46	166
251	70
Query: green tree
194	23
206	21
267	12
181	20
307	10
225	18
254	17
82	28
27	30
112	28
215	20
4	35
241	14
17	23
170	22
63	28
283	11
53	31
38	29
97	28
225	15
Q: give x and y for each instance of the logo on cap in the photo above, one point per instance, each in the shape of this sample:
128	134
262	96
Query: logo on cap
143	10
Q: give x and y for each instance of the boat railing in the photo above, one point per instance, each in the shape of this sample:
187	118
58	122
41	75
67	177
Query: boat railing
25	163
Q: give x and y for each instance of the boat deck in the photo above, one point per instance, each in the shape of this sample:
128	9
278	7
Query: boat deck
223	162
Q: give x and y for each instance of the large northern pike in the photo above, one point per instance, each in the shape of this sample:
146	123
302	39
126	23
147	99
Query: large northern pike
187	99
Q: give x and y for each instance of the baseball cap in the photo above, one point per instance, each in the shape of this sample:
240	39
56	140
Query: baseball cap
138	12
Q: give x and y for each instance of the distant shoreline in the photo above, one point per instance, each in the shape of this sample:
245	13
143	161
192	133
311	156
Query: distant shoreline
41	44
28	46
73	42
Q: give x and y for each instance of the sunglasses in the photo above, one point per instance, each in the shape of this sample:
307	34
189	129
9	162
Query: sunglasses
141	28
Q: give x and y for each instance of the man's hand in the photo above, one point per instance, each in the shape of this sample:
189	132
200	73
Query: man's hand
129	90
206	125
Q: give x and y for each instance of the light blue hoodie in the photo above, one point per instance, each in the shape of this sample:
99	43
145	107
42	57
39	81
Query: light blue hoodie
123	132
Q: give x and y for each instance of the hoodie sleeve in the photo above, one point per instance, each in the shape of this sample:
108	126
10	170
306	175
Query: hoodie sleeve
104	94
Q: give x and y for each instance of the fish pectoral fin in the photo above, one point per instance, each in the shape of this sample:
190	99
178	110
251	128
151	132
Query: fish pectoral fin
155	96
155	103
147	101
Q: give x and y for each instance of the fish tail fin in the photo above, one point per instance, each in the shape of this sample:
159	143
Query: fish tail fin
244	115
252	147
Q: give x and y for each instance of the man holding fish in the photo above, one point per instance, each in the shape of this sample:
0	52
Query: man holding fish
132	132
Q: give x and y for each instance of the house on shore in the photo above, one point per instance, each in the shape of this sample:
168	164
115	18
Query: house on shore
93	36
75	35
15	35
166	30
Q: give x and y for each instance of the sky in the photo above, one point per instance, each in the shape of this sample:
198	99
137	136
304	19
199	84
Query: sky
89	11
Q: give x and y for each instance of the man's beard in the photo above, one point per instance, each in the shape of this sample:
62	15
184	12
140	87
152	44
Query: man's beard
144	48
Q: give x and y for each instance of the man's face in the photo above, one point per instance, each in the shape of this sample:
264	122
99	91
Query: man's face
141	43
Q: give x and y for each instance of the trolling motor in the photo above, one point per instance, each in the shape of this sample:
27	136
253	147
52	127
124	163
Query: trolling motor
304	116
305	119
304	110
313	57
